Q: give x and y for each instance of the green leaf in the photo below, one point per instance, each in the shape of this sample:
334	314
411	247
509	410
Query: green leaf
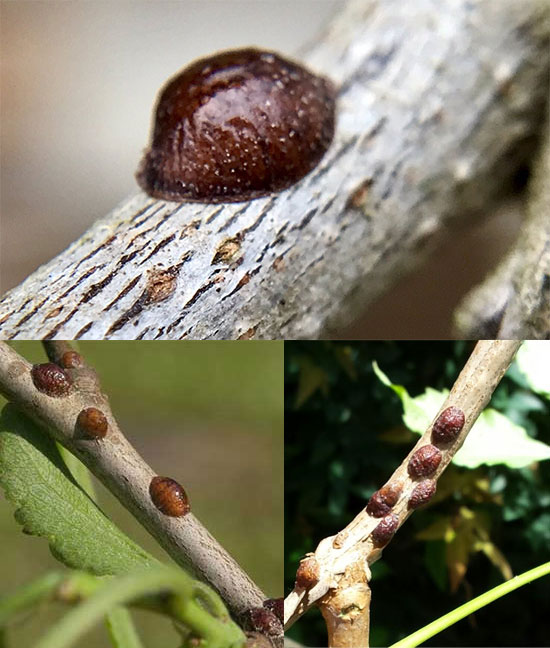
121	628
533	360
50	503
493	439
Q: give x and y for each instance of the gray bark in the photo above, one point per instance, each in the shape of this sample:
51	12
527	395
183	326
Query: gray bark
439	101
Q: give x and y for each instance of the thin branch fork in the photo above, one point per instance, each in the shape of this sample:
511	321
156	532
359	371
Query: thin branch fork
115	462
439	101
340	564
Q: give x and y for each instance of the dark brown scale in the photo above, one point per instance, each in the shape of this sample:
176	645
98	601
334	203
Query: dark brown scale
169	497
237	125
383	500
277	606
383	533
92	422
50	379
422	493
262	620
448	425
71	360
308	573
424	462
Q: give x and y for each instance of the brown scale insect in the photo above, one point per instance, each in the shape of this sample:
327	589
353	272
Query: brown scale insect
385	530
50	379
383	500
277	606
448	425
422	493
262	620
169	497
92	422
424	462
235	126
308	573
71	360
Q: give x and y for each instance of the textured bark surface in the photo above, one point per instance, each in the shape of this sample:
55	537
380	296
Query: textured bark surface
437	100
514	302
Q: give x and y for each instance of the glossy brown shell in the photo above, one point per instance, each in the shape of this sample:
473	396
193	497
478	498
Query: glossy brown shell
237	125
385	530
51	379
277	606
424	462
308	572
422	493
71	360
92	422
448	425
169	497
383	500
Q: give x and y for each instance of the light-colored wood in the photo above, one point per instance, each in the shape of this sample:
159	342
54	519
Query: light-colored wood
344	559
434	96
514	302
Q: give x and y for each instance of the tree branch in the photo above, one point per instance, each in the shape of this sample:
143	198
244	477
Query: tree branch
436	109
115	462
514	302
341	562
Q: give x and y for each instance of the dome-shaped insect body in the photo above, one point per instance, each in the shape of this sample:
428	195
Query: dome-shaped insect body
92	422
51	379
385	530
235	126
383	500
448	425
424	462
422	493
169	497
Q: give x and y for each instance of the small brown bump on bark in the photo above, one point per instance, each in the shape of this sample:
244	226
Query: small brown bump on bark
448	425
308	573
424	462
92	422
383	500
161	284
277	606
72	360
248	334
358	197
262	620
51	379
227	250
422	493
385	530
169	497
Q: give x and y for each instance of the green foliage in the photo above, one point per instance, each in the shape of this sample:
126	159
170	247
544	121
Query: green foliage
198	610
121	629
493	439
51	504
344	436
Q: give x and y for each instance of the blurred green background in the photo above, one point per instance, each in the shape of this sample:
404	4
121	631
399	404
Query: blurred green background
344	437
208	414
